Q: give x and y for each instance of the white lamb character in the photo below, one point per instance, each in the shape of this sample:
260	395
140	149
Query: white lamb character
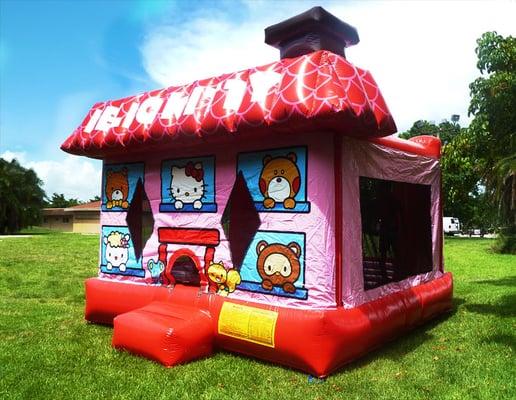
117	250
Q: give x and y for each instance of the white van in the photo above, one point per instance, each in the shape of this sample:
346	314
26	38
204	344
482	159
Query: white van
451	225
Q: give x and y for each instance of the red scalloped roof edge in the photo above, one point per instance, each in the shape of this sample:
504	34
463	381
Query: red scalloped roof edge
318	91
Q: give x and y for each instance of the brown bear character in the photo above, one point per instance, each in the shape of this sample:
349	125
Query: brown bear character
280	180
278	265
117	189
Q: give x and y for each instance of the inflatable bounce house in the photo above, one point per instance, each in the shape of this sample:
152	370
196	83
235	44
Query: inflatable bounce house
269	212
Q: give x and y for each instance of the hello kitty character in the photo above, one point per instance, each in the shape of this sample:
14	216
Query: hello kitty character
117	250
187	185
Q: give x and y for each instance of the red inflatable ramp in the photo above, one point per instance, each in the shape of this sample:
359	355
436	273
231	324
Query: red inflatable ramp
167	333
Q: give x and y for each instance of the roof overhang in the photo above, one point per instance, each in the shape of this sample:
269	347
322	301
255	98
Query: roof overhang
314	92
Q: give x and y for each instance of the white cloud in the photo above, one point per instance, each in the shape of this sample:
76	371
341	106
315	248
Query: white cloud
204	48
420	53
73	176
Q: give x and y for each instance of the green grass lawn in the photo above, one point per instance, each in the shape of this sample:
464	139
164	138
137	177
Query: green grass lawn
47	350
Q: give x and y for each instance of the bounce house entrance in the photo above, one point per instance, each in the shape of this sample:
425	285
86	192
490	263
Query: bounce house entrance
185	264
185	272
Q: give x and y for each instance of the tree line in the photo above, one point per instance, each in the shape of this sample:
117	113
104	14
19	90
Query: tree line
22	198
479	162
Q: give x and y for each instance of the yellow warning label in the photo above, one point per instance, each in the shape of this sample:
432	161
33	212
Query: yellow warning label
248	323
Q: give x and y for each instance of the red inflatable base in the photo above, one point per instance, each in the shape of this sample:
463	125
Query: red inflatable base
185	323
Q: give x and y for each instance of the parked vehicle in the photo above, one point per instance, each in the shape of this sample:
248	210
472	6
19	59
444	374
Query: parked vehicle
451	225
476	232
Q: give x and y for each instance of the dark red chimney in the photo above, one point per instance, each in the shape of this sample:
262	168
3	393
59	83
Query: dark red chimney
313	30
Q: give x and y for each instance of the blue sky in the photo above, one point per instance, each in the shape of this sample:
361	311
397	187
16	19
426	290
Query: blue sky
57	58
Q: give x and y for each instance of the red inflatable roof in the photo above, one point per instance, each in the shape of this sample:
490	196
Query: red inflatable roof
317	91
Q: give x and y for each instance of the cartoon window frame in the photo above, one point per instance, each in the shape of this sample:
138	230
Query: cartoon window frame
302	205
135	272
105	166
207	207
255	287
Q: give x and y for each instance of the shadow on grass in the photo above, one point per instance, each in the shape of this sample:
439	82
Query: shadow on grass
505	307
403	344
457	302
506	340
507	281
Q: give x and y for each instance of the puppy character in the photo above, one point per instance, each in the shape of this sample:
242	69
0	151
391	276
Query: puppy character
117	189
278	265
280	180
225	280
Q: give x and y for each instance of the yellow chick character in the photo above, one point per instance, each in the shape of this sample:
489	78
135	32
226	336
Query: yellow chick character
217	274
226	281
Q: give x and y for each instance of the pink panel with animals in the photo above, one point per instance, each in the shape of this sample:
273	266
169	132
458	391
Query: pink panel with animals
253	221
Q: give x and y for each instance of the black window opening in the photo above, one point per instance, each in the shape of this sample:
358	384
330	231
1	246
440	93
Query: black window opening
139	219
396	230
185	272
240	221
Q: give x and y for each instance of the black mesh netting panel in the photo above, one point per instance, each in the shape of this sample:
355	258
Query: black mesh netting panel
139	219
396	230
240	221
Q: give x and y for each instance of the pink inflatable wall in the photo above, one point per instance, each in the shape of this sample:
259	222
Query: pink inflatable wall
366	159
314	224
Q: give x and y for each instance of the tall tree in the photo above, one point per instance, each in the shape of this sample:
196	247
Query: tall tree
461	191
493	129
446	130
60	201
464	194
21	197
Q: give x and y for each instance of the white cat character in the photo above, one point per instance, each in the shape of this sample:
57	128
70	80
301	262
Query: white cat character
117	250
187	185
